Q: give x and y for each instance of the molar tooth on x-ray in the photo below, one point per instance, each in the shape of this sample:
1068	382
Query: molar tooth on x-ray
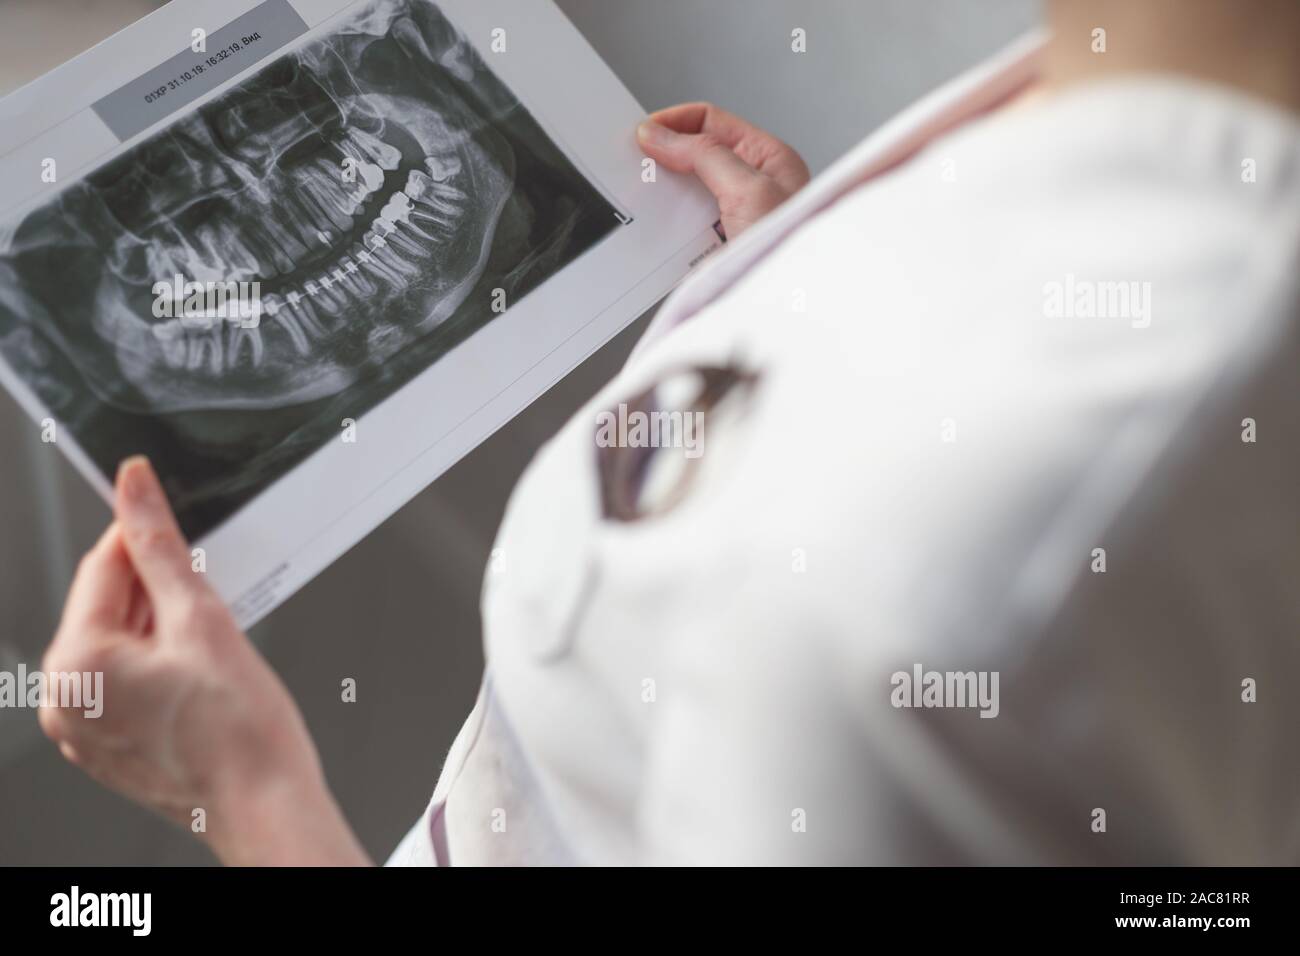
376	180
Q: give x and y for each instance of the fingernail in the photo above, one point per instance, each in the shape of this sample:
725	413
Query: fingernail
136	482
652	134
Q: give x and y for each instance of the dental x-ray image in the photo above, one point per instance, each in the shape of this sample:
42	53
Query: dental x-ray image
366	279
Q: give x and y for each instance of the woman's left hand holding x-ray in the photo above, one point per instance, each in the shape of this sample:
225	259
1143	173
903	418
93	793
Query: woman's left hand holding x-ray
193	718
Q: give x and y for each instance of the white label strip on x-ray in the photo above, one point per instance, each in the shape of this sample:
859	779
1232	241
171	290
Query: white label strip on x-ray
174	84
97	107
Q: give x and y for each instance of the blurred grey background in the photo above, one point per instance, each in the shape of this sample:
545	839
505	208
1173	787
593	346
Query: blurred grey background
399	613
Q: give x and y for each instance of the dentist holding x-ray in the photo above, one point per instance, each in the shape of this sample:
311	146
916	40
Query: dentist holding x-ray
918	462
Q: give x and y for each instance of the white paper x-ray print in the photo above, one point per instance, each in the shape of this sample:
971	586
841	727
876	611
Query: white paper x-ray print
457	203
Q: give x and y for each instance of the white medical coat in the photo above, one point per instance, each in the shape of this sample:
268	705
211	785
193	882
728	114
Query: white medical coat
946	445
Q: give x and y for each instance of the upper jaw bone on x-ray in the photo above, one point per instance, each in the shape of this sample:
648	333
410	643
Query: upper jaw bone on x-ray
252	186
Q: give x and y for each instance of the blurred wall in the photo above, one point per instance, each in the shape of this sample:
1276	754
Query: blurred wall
866	59
399	613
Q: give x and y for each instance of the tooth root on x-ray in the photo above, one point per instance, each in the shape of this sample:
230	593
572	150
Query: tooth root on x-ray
286	321
357	281
244	340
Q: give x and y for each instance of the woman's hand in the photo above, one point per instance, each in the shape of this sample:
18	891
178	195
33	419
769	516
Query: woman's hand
192	717
749	171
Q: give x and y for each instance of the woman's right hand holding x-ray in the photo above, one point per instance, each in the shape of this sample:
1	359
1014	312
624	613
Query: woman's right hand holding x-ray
194	724
749	171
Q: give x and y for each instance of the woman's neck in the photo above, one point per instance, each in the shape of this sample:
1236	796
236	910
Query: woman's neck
1247	44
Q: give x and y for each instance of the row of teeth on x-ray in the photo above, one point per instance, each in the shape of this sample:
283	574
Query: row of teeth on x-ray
417	217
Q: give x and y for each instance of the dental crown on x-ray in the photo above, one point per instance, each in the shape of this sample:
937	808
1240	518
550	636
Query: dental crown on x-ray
349	178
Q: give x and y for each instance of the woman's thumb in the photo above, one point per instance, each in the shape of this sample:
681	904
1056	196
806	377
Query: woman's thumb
664	145
723	173
153	539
